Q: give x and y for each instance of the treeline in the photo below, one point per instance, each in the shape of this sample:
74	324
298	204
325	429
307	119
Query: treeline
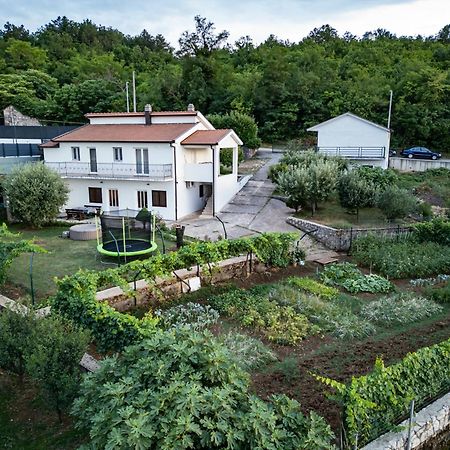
66	69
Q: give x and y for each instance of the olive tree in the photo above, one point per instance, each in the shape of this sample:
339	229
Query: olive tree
396	203
35	194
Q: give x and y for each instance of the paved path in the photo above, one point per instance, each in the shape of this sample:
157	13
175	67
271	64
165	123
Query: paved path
251	211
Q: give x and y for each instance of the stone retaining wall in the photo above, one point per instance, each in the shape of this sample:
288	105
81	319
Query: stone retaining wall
341	239
428	423
417	165
182	281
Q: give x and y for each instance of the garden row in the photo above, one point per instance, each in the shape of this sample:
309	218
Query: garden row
113	330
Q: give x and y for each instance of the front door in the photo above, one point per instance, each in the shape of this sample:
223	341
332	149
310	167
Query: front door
93	160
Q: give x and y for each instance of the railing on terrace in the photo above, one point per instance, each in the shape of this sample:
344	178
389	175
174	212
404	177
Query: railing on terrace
354	152
112	170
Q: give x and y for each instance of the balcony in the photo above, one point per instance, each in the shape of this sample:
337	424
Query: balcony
201	172
354	152
113	171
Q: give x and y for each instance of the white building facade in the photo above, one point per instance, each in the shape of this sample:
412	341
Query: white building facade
168	162
354	138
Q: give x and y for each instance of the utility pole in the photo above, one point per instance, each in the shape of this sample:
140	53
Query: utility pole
390	110
134	92
128	97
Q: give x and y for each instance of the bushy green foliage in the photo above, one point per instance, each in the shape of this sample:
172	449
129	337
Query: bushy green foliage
10	248
35	193
437	230
279	323
353	280
440	294
243	124
16	338
403	259
372	403
114	330
247	352
380	178
399	309
54	360
313	287
355	191
226	157
180	390
192	315
396	203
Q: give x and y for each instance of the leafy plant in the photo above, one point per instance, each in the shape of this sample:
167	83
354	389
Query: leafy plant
372	403
396	203
192	315
313	287
353	280
439	294
437	230
179	389
248	353
35	193
288	368
399	309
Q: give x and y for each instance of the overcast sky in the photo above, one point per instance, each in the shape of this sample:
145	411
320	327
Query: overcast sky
287	19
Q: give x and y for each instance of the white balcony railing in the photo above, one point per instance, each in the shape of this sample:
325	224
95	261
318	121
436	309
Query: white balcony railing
354	152
76	169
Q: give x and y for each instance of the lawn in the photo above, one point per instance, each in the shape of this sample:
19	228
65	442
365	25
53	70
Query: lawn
64	257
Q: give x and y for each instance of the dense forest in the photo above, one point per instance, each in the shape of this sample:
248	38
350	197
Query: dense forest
66	69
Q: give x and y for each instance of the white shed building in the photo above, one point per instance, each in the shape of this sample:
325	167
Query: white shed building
357	139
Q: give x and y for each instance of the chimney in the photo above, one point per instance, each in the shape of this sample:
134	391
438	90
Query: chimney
147	114
191	107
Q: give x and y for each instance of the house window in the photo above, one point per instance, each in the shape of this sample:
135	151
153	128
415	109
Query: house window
113	197
142	199
95	195
76	153
117	153
201	191
142	165
159	198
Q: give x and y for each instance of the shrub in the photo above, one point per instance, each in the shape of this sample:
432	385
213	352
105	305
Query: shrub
16	338
179	390
35	194
381	178
247	352
54	361
192	315
437	230
372	403
396	203
313	287
399	309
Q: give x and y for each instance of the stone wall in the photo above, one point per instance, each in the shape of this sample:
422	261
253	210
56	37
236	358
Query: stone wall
427	424
341	239
13	117
184	280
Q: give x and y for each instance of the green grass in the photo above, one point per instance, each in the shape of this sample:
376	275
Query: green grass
331	213
65	257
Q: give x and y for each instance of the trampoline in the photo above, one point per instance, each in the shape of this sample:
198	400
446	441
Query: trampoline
126	233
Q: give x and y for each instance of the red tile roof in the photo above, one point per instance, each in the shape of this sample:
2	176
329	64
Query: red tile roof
141	114
123	133
205	137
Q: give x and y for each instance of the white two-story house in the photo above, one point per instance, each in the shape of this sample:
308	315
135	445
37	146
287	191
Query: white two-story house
354	138
168	162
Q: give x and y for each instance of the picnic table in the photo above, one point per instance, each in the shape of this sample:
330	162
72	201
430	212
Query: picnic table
80	213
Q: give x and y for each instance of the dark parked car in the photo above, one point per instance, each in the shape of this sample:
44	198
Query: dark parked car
420	152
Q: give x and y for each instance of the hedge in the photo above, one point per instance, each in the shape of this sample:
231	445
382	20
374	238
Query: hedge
113	330
374	403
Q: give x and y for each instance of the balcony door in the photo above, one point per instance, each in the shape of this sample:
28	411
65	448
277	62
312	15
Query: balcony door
93	160
142	166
